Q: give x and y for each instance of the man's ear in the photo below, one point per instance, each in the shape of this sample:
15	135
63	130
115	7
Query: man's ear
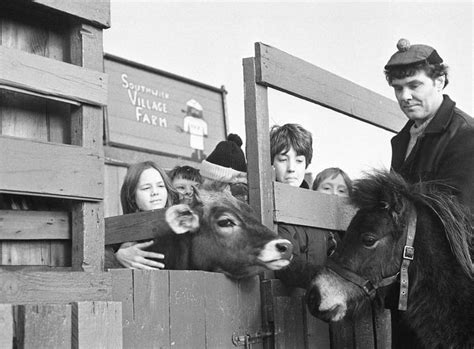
182	219
440	82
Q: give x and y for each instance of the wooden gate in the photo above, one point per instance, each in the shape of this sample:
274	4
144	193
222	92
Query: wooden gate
286	312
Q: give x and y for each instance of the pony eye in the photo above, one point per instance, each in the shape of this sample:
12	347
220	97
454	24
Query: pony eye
369	241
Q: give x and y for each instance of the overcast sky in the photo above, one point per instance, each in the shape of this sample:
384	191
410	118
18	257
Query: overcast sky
206	41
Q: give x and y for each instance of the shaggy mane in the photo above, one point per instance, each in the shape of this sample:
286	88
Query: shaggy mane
388	190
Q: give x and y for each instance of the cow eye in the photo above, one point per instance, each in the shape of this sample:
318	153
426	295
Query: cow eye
369	241
225	223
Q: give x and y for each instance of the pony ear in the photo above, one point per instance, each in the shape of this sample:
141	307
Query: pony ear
182	219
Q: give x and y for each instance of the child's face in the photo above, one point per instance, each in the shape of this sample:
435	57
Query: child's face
185	188
290	167
334	186
151	193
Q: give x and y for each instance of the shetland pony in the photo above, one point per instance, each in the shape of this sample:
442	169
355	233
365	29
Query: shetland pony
367	265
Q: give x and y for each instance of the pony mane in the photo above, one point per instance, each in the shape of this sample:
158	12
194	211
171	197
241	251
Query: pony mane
388	190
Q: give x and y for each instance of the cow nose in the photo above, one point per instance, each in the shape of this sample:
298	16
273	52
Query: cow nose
285	248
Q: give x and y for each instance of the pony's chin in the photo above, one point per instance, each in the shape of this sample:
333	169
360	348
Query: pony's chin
336	313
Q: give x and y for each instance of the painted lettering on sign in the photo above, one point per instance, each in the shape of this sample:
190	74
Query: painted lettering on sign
150	103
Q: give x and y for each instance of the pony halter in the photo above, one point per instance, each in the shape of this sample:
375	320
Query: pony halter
369	288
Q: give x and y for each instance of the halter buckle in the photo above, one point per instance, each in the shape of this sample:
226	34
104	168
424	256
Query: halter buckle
409	252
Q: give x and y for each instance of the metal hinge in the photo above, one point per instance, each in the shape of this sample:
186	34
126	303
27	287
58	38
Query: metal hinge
247	339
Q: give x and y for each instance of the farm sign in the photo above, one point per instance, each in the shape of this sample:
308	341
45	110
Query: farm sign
159	112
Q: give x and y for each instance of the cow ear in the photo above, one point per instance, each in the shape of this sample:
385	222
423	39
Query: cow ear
182	219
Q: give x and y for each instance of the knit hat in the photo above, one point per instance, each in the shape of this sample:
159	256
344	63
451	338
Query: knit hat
227	162
411	54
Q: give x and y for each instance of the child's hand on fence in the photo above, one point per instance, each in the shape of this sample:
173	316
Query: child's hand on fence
133	256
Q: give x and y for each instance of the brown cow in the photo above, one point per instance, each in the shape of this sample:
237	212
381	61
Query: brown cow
222	234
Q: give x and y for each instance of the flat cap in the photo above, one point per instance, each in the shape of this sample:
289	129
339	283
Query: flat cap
411	54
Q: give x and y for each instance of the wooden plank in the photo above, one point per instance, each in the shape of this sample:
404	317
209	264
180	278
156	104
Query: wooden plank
97	12
88	237
295	76
314	209
364	330
289	322
342	334
250	307
44	326
151	309
382	327
112	206
260	176
316	331
25	253
50	77
59	170
86	131
6	326
222	310
58	287
122	291
187	309
97	324
136	226
35	225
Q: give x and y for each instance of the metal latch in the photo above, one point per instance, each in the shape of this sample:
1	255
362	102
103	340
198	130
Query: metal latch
248	339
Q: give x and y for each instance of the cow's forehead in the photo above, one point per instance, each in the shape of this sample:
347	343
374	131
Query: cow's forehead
221	199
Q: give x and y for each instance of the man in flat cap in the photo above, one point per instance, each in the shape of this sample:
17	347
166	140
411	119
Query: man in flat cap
437	143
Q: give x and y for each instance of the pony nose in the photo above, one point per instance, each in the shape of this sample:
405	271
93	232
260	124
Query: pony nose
285	248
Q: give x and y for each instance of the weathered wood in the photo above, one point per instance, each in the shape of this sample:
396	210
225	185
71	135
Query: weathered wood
59	170
122	291
316	331
364	333
382	327
86	131
342	334
136	226
97	12
97	324
44	326
35	225
187	310
88	237
112	185
297	77
58	287
313	209
151	309
43	38
260	175
222	310
51	77
250	307
6	326
289	322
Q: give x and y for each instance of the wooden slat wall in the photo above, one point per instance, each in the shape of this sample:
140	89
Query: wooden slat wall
185	309
53	287
59	170
35	225
97	12
51	77
279	70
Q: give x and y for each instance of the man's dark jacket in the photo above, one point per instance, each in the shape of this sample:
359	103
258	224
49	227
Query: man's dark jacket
444	152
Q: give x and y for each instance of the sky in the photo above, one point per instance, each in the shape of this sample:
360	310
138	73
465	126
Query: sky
207	40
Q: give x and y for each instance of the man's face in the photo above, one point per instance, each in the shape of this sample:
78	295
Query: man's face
290	167
419	96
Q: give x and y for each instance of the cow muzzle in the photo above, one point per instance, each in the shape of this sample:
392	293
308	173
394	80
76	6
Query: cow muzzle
276	254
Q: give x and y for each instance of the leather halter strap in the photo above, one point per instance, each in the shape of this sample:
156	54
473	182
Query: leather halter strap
367	286
407	257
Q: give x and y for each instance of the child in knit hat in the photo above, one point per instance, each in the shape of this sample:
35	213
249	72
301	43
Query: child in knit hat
226	168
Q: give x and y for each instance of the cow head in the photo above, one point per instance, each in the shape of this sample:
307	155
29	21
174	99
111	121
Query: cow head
227	237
